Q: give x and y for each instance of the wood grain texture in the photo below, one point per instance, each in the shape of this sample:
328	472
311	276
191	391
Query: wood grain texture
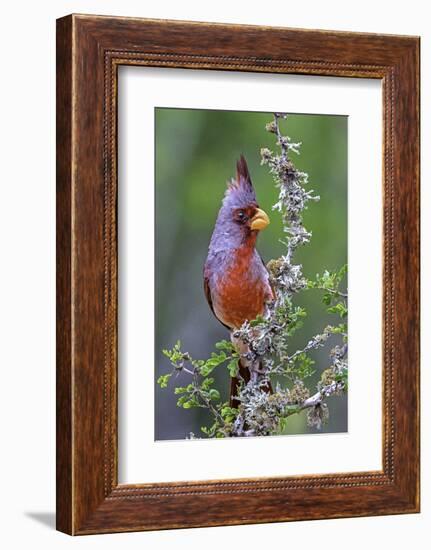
90	49
64	496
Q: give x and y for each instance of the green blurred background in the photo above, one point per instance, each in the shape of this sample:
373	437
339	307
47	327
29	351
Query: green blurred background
196	153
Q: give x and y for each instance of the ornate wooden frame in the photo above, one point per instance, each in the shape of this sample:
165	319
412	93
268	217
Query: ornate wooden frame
89	51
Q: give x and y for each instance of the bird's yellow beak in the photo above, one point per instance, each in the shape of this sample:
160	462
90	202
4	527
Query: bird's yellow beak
259	221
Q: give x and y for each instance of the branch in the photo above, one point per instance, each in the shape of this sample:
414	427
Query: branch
316	342
318	397
332	291
210	407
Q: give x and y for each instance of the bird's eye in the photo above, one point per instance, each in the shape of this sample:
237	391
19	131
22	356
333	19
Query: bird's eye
241	216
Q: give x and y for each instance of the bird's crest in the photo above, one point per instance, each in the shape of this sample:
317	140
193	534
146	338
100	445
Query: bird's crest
241	187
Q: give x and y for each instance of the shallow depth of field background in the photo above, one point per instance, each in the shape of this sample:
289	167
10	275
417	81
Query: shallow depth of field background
196	153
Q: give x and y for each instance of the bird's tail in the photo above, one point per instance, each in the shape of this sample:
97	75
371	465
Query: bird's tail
237	381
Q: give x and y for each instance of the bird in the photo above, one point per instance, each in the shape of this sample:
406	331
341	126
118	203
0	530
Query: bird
236	280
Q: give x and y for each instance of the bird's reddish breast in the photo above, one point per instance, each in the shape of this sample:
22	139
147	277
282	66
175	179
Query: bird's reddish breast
242	291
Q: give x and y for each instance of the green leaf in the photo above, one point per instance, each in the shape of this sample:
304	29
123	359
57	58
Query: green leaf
188	403
214	394
258	321
232	367
282	425
342	271
339	329
339	308
225	345
205	370
214	361
303	366
327	299
176	356
228	413
207	382
343	377
163	380
211	431
182	400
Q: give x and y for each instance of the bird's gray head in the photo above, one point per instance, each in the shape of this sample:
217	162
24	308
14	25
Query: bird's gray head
239	218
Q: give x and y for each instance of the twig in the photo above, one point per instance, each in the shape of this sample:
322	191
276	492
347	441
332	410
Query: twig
211	407
319	396
331	291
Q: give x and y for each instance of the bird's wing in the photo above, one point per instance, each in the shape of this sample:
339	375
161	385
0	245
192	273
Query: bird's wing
207	291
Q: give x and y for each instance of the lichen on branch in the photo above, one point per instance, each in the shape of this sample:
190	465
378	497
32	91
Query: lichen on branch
268	338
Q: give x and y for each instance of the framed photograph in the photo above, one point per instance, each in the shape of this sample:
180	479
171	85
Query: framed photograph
237	274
